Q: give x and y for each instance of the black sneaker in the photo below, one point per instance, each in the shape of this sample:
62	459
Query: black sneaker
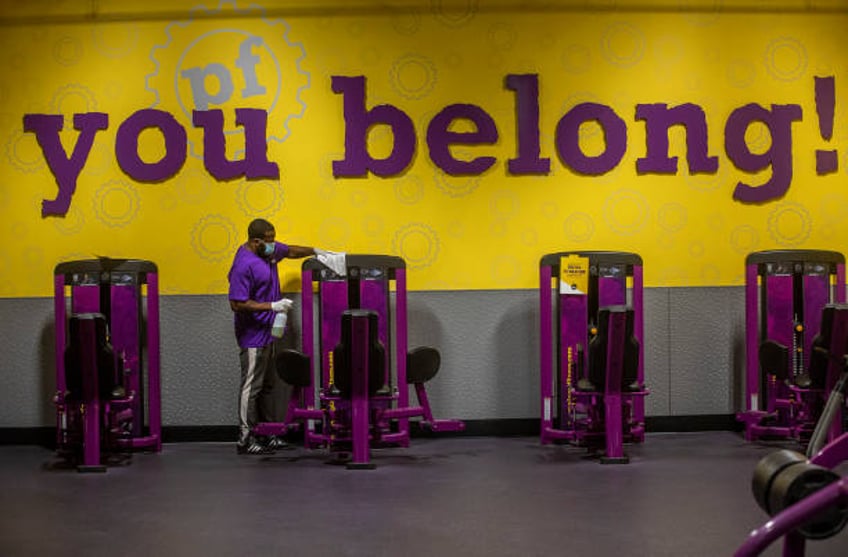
254	448
278	443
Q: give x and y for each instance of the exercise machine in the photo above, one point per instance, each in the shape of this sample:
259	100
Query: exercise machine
352	379
785	293
107	359
592	363
803	495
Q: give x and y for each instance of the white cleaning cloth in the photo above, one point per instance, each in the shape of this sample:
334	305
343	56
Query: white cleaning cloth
333	260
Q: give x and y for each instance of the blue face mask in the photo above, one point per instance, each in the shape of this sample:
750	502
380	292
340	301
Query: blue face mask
267	249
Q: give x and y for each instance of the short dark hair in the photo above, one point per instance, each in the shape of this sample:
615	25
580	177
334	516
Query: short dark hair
258	228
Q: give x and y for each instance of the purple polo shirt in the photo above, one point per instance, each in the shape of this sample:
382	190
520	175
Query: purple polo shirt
255	278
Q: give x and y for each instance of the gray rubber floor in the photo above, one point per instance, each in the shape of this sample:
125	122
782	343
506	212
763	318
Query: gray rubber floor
682	495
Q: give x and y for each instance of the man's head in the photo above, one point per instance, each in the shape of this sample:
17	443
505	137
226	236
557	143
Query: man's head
259	233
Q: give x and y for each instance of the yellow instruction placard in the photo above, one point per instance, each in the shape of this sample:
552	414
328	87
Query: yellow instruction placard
573	275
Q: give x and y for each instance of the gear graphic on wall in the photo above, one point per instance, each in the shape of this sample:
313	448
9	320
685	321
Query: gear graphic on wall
212	61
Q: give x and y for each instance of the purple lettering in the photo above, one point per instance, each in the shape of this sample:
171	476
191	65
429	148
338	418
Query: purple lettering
658	119
827	161
526	89
126	146
358	161
440	138
66	170
255	163
568	139
779	155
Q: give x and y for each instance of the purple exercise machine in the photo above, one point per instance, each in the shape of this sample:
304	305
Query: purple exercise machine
351	380
592	375
803	495
107	359
785	293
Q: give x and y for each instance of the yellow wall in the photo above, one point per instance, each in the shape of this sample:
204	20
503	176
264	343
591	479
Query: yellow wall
456	232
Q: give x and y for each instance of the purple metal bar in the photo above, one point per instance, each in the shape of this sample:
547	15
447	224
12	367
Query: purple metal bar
60	326
333	301
833	454
373	295
752	341
839	287
546	352
359	403
639	331
612	290
816	296
401	348
85	298
424	410
780	316
613	419
124	321
90	404
154	383
307	320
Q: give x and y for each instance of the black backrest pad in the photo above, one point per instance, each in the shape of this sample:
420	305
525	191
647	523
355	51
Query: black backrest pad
106	377
342	354
598	349
774	359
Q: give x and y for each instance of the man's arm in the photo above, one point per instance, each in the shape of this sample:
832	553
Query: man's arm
250	305
299	252
283	304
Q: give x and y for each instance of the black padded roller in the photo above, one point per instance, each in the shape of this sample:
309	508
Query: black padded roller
765	472
802	480
785	477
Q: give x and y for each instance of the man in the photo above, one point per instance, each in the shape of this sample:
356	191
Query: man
255	299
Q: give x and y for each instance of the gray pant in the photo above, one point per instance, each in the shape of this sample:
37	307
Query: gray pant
257	382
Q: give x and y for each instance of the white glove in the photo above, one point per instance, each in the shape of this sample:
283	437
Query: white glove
282	305
319	251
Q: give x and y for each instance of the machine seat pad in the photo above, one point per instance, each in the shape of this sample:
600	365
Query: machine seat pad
293	367
774	359
422	364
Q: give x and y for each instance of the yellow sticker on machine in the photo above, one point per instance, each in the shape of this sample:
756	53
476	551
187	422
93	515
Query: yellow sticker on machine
573	274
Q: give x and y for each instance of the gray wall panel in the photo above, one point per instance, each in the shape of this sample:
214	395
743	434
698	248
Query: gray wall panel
489	342
706	326
657	352
28	363
200	363
489	346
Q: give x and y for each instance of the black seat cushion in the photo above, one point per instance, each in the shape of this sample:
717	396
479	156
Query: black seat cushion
293	367
422	364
